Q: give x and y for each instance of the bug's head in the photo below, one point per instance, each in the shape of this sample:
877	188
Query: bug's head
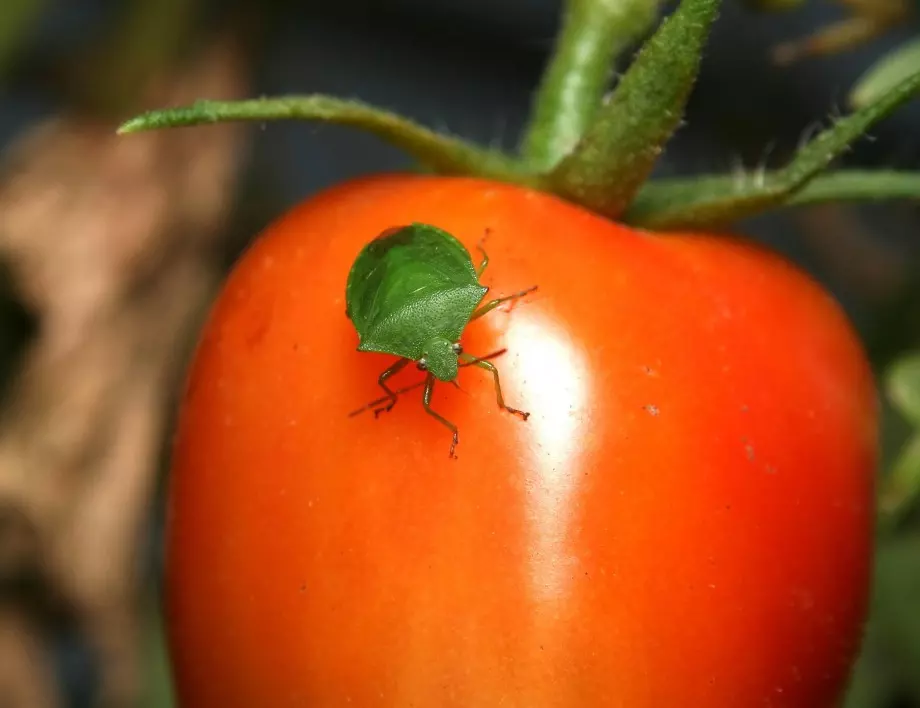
440	358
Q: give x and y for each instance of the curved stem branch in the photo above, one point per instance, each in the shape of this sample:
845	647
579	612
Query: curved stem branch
859	186
689	203
710	200
444	154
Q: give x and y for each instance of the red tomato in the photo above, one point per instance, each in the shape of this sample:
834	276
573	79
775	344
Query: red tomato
685	520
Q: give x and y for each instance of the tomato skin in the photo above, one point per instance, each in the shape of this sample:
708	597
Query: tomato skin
685	519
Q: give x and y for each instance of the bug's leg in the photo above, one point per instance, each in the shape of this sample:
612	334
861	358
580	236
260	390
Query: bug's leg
489	366
426	401
492	304
391	395
409	387
485	256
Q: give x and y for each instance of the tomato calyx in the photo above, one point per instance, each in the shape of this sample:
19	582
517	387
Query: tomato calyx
598	149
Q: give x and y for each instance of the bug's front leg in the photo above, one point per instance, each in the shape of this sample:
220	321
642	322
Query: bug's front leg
492	304
489	366
426	401
391	395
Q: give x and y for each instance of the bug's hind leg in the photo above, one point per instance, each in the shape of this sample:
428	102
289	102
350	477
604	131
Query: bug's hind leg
485	256
490	367
426	401
391	394
492	304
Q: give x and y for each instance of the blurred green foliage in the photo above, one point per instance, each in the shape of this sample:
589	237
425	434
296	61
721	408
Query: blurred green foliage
885	73
16	19
157	680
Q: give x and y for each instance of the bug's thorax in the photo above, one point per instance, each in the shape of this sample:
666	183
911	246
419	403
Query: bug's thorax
439	358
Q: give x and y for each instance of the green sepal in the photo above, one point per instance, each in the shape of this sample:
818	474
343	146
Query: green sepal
708	201
435	151
887	72
619	149
593	34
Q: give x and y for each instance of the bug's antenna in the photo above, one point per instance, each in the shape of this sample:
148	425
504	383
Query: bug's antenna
474	359
398	392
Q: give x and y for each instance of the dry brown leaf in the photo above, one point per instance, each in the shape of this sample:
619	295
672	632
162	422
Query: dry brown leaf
112	242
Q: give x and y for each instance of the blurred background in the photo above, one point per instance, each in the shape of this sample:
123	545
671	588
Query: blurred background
112	248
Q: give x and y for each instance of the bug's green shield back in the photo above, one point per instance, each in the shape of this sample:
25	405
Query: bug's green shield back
401	266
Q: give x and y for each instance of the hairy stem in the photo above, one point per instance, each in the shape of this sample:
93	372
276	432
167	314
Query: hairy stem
593	34
442	153
616	154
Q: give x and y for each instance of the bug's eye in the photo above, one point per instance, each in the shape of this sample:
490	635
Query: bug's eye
422	364
457	348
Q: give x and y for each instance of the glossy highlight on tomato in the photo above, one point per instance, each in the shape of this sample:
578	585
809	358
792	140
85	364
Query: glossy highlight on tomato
685	519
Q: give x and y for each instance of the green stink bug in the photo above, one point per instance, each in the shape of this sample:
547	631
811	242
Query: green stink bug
411	292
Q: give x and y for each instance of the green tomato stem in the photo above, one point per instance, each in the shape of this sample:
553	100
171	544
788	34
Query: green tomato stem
708	200
629	131
598	153
593	34
441	153
859	186
685	203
